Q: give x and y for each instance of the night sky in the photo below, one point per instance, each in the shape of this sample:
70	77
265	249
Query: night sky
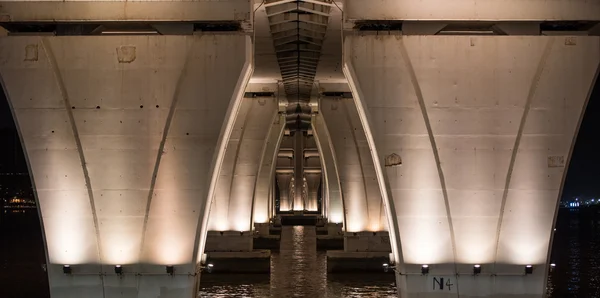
583	178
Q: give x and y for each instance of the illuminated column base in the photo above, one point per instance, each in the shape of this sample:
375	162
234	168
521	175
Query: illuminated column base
331	237
440	282
363	251
99	281
121	135
232	252
471	136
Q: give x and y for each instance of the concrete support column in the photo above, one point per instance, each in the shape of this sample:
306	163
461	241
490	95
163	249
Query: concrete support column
471	136
333	194
284	181
313	181
120	135
299	179
362	198
263	194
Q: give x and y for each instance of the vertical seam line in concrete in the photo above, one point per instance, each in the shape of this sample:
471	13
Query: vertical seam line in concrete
163	141
67	103
266	145
362	170
237	153
231	112
420	98
330	148
532	90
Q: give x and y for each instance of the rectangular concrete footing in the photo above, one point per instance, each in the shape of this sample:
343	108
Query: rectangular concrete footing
257	261
327	242
348	262
270	242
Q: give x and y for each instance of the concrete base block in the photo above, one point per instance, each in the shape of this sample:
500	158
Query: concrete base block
270	242
321	230
347	262
257	261
334	229
367	242
228	241
484	285
326	242
275	230
261	229
136	280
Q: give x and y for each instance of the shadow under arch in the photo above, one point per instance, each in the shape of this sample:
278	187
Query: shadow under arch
581	178
22	234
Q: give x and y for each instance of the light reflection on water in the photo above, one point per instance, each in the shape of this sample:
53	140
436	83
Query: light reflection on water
299	270
576	252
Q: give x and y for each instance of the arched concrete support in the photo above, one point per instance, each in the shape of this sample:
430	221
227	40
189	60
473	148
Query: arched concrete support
263	204
333	195
232	205
483	128
120	136
362	198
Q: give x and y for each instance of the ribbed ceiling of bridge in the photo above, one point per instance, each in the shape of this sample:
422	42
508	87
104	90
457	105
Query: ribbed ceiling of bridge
298	28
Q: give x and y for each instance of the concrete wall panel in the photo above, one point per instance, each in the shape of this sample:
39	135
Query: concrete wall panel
93	114
232	205
362	198
263	202
77	10
484	128
479	10
333	204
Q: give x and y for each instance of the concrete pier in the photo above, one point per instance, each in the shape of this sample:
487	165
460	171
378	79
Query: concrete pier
120	136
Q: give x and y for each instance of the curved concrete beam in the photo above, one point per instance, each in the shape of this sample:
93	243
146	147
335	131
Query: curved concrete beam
334	205
362	198
232	206
119	133
484	127
262	192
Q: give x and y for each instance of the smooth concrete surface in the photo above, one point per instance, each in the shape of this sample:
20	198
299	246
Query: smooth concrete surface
367	241
332	201
228	241
483	127
313	184
232	205
432	285
264	189
473	10
136	281
261	229
360	191
271	242
258	261
120	135
157	11
348	262
284	182
329	242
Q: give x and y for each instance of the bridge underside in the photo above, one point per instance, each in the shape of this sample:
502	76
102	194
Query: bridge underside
440	134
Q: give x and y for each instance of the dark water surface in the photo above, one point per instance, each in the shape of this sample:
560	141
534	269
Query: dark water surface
299	270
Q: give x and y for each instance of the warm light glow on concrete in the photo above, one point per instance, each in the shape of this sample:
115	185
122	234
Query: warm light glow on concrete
485	136
336	217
